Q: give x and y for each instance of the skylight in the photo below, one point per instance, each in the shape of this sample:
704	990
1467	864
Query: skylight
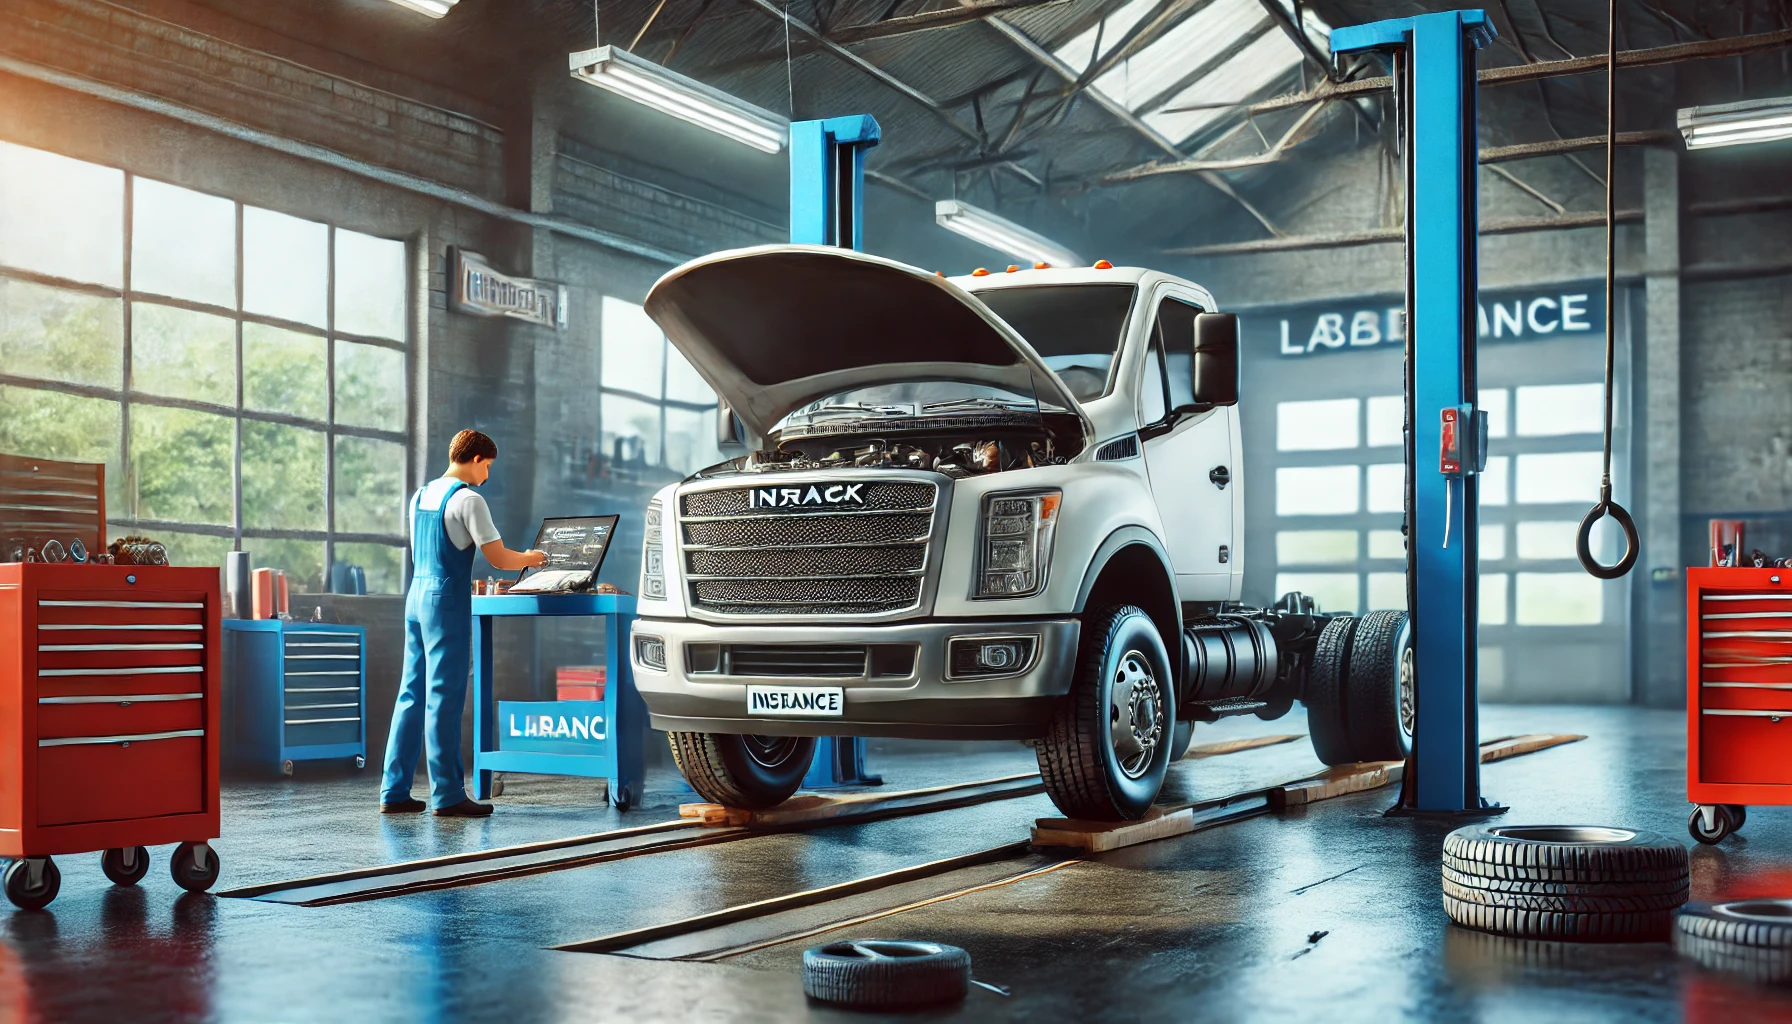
1226	52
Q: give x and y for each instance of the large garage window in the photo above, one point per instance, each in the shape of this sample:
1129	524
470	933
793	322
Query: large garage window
658	414
240	372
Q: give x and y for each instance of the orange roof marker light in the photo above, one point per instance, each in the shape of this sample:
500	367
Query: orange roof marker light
1012	268
1042	266
1103	265
980	272
939	273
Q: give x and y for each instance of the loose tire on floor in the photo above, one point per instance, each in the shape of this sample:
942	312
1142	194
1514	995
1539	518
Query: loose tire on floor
1105	752
1324	695
1646	926
1565	904
1748	938
1564	853
1522	887
885	974
750	773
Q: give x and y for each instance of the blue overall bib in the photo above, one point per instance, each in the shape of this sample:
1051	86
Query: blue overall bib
438	620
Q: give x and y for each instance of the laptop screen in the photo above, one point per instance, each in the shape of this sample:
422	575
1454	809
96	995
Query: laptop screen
575	543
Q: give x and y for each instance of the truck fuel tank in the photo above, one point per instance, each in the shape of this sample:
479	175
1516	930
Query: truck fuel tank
1227	657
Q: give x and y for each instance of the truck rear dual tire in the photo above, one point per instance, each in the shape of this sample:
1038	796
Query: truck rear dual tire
750	773
1360	692
1104	755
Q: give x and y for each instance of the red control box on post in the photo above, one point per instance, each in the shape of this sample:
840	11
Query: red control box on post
109	712
1738	693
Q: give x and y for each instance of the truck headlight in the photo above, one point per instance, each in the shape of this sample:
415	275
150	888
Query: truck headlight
653	556
1014	547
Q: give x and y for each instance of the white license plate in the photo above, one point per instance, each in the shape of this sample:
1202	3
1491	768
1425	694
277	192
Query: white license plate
797	701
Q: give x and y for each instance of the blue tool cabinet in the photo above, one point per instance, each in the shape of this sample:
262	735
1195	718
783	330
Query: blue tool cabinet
299	692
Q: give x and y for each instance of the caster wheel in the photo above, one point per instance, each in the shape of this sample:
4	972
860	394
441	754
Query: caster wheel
194	866
1722	825
1738	816
360	762
112	862
28	892
497	785
623	798
286	767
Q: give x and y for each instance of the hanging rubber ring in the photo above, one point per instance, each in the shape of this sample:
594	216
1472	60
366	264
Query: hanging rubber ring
1583	540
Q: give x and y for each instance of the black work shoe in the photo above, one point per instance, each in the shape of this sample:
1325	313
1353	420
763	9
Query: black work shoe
464	809
408	805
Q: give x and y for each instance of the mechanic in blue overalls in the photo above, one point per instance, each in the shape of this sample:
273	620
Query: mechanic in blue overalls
447	520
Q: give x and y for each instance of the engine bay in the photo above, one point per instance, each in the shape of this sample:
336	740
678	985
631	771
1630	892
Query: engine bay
956	456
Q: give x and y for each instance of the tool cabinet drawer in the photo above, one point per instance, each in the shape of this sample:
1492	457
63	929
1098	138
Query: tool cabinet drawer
1746	696
93	779
1746	746
306	731
59	717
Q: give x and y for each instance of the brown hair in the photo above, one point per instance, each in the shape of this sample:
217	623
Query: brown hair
471	444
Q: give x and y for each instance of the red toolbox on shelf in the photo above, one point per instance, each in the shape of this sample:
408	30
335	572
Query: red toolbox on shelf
1738	695
108	720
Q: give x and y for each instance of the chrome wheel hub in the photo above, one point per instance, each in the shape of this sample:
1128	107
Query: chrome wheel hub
1408	686
1135	715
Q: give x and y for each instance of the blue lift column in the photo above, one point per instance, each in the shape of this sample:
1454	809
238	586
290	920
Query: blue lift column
827	207
1433	57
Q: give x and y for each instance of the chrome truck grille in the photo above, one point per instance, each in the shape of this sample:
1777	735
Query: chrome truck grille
784	550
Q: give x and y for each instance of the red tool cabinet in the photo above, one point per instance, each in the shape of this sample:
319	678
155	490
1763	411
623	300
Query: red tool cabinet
108	720
1738	695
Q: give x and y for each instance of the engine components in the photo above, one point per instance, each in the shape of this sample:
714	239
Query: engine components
1228	657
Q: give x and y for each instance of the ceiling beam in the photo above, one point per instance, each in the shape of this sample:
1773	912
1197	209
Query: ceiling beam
929	20
1380	236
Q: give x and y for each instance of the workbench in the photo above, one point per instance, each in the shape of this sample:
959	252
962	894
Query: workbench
599	739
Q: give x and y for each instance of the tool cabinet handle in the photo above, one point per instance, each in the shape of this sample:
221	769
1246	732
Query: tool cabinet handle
125	740
120	698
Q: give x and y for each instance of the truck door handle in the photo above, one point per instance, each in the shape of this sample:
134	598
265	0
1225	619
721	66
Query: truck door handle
1221	476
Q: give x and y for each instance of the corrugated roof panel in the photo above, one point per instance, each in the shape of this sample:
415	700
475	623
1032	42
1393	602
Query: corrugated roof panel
1187	47
1235	81
1080	51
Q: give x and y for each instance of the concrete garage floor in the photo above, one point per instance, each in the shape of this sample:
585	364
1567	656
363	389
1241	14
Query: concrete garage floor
1213	925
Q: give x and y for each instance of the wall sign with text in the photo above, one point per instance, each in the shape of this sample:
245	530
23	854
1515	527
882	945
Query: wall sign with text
480	290
1354	325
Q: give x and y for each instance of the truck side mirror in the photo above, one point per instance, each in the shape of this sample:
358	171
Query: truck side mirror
728	431
1215	367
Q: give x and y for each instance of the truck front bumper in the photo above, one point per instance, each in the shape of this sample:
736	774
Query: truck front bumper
920	703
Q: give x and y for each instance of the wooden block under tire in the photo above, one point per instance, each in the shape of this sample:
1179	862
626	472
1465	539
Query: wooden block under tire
1100	836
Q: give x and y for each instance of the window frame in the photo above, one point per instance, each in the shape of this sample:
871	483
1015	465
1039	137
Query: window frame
661	402
127	395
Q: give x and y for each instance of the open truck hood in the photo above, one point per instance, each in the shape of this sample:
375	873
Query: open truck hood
775	327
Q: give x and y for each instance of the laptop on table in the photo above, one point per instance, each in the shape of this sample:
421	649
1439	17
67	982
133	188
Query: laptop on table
575	546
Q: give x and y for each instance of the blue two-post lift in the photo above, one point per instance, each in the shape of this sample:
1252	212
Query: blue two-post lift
1433	58
827	207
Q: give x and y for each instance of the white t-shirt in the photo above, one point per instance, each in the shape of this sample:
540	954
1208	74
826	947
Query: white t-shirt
467	517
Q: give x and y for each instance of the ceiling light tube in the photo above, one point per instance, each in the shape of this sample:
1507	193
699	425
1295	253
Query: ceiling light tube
433	8
1733	124
687	99
1001	234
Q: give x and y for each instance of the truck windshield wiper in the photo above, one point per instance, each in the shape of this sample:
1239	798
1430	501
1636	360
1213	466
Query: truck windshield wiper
1005	405
857	410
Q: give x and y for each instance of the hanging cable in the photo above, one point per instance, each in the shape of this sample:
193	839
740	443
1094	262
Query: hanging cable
789	65
1606	506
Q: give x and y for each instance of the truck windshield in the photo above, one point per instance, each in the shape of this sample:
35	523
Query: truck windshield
1075	328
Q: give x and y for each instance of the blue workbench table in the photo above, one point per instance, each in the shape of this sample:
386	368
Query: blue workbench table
594	739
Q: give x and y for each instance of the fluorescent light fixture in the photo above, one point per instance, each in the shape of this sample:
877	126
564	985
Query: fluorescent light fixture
1002	234
687	99
433	8
1733	124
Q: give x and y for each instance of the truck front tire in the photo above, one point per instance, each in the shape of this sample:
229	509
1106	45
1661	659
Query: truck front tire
750	773
1109	743
1359	695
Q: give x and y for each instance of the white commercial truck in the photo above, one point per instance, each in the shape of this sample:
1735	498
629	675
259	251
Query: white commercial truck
1006	505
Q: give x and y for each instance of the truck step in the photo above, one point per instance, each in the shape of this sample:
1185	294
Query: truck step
1225	709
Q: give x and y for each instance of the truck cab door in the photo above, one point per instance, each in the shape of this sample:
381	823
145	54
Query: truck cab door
1191	456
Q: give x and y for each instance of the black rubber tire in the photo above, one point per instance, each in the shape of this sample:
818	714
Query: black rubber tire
1181	739
1372	687
1325	692
1602	890
1723	825
1564	904
1757	924
722	768
1751	963
1554	853
1648	926
1077	760
112	864
884	974
13	881
188	873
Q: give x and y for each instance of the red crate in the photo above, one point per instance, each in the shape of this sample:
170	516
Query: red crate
579	682
1738	698
79	774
